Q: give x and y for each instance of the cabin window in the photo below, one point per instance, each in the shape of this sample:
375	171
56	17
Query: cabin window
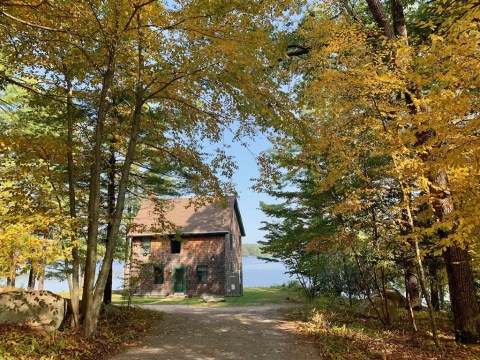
202	274
232	240
175	246
146	244
158	275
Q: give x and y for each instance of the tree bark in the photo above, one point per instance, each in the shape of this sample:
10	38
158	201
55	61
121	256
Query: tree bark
411	283
425	294
41	275
11	279
347	279
434	283
411	316
435	299
31	278
381	18
94	198
399	25
421	272
107	294
96	295
73	283
462	295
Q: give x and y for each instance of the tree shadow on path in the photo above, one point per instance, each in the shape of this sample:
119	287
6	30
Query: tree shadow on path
194	333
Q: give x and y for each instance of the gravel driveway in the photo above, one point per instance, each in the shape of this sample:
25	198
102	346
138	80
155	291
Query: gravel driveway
216	333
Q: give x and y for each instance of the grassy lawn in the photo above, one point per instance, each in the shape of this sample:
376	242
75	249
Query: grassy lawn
251	296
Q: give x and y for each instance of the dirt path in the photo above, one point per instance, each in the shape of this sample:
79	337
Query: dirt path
215	333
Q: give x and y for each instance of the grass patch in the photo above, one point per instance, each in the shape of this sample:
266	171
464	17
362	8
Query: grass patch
263	296
251	296
342	334
115	331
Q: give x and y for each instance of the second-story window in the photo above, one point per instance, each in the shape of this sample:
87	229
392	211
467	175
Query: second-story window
175	246
146	243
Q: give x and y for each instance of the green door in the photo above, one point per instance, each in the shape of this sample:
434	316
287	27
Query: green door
179	279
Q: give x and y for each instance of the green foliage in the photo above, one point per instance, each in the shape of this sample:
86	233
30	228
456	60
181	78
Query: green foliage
251	250
306	237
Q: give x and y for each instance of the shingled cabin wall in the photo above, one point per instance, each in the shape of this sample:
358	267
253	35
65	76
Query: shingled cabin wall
195	250
233	263
210	236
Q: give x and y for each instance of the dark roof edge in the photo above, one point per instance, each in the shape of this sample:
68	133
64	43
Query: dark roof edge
239	217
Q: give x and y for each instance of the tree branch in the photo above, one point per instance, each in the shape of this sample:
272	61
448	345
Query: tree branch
381	18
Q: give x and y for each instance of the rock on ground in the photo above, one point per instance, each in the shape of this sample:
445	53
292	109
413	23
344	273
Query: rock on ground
395	305
213	299
42	310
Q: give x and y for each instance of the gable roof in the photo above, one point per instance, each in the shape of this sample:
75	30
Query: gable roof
155	215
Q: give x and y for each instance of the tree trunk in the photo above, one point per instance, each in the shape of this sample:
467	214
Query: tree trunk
434	286
381	18
442	296
411	316
421	272
425	294
41	276
93	310
96	296
73	282
462	295
94	201
411	284
31	278
347	279
434	295
107	294
11	279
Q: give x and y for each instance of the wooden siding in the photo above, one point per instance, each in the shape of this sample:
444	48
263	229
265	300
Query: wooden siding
195	250
233	260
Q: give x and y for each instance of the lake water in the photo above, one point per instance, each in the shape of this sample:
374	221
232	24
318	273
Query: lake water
259	273
256	273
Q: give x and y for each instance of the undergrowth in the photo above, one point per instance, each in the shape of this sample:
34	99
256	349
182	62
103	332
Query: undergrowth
343	334
115	331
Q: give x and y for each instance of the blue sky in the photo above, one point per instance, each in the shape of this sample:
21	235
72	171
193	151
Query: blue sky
248	199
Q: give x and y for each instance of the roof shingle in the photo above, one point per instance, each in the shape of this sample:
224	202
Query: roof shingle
168	216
